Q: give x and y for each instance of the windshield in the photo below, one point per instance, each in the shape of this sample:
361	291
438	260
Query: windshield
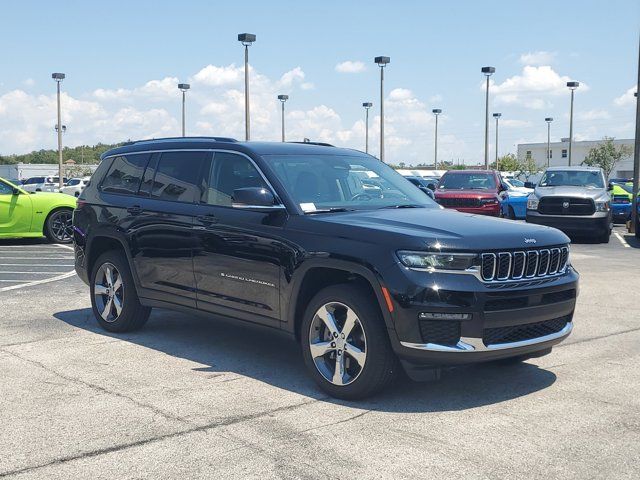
572	178
467	181
325	182
512	182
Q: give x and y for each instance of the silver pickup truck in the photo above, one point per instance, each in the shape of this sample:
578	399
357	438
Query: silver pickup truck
575	200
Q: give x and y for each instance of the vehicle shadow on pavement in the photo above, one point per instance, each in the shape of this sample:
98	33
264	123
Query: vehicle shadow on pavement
271	357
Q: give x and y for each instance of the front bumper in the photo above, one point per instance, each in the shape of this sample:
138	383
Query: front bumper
621	212
498	316
597	223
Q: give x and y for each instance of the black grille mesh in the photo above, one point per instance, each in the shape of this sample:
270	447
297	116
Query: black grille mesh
519	333
443	332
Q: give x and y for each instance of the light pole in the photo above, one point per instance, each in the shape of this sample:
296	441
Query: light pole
487	71
246	39
436	112
636	163
183	87
497	117
283	98
58	77
367	106
548	120
382	62
572	86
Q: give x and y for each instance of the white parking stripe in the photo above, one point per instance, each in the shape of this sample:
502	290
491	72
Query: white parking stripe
34	265
38	282
68	247
30	273
622	240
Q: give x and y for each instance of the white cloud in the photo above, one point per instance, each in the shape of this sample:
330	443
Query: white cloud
514	123
214	76
350	66
537	58
532	88
627	98
594	115
291	77
435	98
29	82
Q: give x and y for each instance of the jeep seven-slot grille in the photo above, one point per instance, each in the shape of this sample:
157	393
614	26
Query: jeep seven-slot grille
503	266
566	206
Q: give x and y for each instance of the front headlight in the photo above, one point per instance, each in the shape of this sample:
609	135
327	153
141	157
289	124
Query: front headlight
532	202
602	206
437	261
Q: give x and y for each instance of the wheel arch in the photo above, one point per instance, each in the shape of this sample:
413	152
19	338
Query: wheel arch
53	210
102	242
314	276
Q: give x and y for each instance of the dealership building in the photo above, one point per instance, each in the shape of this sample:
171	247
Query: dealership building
559	154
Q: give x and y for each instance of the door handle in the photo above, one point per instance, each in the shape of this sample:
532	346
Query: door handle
207	219
134	210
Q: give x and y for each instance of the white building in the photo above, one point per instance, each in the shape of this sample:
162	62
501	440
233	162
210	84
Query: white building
22	171
579	150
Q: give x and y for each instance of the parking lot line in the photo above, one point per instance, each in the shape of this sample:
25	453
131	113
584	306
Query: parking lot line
622	240
38	282
36	265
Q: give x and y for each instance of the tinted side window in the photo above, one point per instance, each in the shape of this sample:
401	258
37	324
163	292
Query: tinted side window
177	175
125	174
229	172
5	189
149	173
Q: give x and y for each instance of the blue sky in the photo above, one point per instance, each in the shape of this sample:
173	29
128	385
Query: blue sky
123	59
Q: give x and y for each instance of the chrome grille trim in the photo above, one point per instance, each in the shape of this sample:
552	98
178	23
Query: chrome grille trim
500	267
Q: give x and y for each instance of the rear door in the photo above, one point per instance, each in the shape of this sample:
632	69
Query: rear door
162	236
239	253
15	211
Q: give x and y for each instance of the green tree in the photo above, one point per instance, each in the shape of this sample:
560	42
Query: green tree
506	163
606	155
527	168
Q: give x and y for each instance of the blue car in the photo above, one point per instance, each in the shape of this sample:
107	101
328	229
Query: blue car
514	204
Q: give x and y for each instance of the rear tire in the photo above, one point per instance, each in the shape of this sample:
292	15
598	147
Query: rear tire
637	232
604	238
512	213
114	299
58	227
345	344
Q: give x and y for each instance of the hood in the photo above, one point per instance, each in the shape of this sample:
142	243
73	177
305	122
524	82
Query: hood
465	193
423	228
568	191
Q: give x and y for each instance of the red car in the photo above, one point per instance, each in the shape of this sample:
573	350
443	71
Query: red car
471	191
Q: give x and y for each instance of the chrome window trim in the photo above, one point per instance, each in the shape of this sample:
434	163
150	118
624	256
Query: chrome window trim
473	344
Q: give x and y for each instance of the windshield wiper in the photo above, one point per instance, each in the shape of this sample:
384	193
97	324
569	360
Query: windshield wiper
408	205
330	210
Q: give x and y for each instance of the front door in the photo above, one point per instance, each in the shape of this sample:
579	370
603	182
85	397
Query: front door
238	256
15	211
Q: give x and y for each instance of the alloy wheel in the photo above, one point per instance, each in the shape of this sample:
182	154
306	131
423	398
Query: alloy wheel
61	226
108	290
337	343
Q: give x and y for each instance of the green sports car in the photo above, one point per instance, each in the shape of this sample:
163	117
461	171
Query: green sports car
24	214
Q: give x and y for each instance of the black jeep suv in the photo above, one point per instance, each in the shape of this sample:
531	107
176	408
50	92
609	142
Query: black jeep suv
286	235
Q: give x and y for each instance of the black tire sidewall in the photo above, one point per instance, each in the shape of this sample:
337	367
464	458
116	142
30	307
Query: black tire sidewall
47	230
379	353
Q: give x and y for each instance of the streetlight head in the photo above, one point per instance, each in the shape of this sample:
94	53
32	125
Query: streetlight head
184	86
573	85
246	38
382	61
283	98
437	111
488	70
548	119
497	115
367	104
58	76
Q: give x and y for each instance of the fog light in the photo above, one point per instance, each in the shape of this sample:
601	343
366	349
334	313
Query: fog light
444	316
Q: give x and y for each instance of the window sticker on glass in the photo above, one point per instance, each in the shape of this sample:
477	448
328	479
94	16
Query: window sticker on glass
308	207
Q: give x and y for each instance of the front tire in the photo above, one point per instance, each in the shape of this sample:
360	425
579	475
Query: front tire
114	299
58	228
345	344
604	238
512	213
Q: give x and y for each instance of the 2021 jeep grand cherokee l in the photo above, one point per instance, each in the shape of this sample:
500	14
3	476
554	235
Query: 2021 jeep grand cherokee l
286	235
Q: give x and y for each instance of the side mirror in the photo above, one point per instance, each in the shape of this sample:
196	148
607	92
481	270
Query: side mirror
610	187
529	185
432	187
255	198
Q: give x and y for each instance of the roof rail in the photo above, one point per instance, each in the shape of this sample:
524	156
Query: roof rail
200	139
322	144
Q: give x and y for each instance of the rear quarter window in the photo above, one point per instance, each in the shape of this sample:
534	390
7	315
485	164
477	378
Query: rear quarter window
125	174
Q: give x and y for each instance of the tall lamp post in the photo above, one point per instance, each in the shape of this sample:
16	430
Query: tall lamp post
487	71
436	112
382	62
572	86
367	106
183	87
58	77
283	99
636	163
246	39
497	117
548	120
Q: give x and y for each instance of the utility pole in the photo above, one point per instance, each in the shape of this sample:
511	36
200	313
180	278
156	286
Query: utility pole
636	161
58	77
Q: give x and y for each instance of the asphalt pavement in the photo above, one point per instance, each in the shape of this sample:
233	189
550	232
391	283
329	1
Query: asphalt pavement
188	397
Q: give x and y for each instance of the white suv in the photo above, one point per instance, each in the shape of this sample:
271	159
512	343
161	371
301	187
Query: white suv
42	184
75	186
